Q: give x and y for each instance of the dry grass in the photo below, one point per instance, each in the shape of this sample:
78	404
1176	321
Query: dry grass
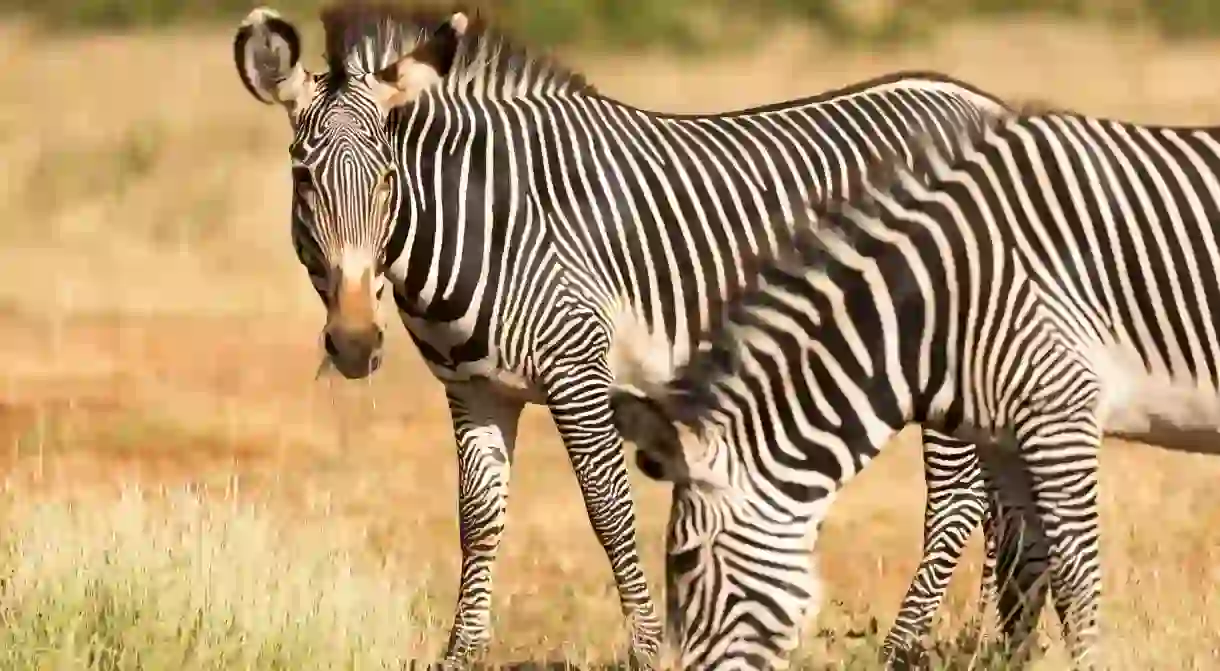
184	580
155	332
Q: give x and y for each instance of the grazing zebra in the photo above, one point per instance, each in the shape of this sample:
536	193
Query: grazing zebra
536	234
1054	281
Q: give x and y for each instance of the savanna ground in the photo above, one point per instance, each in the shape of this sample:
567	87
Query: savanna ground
181	493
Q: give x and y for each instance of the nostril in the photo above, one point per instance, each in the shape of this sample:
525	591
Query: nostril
380	337
649	466
330	346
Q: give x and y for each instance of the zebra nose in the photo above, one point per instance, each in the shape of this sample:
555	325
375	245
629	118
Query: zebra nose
354	353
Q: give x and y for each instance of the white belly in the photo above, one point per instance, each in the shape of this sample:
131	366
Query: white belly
1154	408
641	358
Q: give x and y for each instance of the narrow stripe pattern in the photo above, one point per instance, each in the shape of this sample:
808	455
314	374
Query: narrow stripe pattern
541	238
1052	281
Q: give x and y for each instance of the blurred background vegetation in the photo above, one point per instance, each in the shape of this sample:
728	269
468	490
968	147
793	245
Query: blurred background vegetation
681	25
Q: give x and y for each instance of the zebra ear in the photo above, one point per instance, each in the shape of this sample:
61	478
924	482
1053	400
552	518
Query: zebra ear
643	421
403	82
267	53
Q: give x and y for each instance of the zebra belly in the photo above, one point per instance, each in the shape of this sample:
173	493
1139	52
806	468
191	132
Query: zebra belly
1154	407
641	358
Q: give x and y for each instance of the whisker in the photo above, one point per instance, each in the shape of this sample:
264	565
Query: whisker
325	367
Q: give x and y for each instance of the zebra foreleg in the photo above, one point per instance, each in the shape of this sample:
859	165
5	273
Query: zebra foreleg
580	406
966	486
485	426
957	501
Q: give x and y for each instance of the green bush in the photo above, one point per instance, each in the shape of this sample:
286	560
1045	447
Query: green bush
642	23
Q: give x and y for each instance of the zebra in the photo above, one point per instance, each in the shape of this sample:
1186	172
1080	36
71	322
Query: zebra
536	233
1051	283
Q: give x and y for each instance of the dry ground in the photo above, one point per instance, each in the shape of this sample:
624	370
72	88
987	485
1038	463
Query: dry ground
155	332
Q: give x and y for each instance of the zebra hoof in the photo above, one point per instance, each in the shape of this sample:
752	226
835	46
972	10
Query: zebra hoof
464	654
642	661
458	664
906	658
645	640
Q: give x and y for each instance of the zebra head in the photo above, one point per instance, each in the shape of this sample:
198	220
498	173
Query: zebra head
739	580
347	180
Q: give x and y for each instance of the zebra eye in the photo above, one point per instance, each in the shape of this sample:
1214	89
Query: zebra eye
385	189
387	179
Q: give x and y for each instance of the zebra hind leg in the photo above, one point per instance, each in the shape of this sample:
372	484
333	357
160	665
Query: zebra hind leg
1060	450
956	503
485	426
1015	571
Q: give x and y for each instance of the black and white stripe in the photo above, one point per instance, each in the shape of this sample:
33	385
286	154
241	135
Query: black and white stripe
545	242
1054	281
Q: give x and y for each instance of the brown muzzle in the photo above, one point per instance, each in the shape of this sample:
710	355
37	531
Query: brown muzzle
352	337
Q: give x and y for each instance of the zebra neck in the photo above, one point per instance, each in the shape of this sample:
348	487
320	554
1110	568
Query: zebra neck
464	216
812	377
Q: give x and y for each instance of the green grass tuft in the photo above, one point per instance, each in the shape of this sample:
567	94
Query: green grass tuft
189	582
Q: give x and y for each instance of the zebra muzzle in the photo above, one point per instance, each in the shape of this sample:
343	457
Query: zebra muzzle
353	337
355	354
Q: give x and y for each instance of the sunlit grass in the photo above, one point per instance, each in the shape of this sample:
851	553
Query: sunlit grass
157	328
189	581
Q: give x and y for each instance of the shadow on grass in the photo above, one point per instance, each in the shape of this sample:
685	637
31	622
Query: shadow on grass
527	666
972	649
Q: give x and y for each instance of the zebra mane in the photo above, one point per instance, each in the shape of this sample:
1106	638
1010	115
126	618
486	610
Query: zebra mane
827	228
890	176
364	36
